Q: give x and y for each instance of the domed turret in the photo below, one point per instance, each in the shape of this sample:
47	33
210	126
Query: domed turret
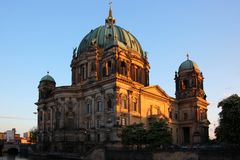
46	86
189	80
188	65
47	78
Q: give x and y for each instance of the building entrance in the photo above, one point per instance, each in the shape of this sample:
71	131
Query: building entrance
186	135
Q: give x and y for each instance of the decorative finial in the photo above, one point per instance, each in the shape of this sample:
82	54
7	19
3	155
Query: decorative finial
47	72
110	8
110	19
187	56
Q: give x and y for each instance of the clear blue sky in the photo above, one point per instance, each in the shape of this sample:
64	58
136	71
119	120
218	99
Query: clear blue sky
37	36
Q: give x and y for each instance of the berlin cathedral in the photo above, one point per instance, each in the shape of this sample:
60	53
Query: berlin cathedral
110	90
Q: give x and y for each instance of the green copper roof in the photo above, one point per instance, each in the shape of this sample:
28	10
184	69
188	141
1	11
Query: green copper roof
188	65
109	35
48	78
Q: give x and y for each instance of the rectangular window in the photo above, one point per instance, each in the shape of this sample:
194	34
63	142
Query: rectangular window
99	106
170	114
88	124
176	116
109	105
135	106
124	121
124	102
88	109
109	67
185	116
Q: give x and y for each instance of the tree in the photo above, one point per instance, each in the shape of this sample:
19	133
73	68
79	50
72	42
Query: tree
159	134
134	134
229	118
33	135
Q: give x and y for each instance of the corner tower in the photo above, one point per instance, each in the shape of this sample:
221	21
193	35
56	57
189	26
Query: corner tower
192	104
46	86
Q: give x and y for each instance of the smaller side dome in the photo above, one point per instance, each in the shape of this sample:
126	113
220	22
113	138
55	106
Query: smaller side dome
47	78
188	65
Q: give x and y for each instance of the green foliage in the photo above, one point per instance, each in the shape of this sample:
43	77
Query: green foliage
158	134
229	126
33	135
134	135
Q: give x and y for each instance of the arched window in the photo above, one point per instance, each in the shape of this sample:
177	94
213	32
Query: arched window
184	84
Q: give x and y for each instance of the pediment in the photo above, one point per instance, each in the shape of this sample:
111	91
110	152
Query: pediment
156	90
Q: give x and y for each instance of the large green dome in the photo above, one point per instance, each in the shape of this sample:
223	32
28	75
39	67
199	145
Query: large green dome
188	65
108	35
